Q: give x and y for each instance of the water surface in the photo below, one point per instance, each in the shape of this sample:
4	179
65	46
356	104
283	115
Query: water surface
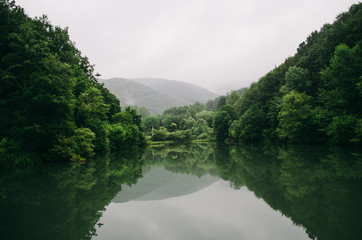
189	192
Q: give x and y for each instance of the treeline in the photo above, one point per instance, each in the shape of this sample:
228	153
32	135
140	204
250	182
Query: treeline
314	96
50	101
180	124
188	123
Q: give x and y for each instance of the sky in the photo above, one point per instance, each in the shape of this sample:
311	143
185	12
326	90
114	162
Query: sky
220	45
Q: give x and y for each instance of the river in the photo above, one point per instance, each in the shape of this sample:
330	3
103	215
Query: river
200	191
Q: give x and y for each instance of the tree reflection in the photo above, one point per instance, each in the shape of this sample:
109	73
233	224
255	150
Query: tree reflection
63	201
317	187
196	159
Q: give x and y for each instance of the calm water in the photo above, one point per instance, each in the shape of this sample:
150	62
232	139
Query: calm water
193	192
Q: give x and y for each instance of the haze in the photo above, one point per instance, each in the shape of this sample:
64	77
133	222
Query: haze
217	44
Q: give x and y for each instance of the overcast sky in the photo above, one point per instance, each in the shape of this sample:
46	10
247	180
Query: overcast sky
217	44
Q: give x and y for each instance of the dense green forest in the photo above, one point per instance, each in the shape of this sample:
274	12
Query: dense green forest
314	96
50	101
52	106
187	123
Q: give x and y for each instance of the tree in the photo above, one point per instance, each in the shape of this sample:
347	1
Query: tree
250	126
232	97
221	122
297	79
296	118
342	129
341	80
50	100
151	123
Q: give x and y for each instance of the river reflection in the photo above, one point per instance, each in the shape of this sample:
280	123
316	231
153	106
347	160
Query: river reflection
63	201
189	192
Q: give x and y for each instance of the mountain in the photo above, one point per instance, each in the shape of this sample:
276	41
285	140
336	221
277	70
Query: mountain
186	91
156	95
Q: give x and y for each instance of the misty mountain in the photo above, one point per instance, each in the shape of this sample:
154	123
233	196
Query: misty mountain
182	90
156	94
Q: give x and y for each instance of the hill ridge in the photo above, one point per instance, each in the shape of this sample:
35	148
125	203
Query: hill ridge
156	94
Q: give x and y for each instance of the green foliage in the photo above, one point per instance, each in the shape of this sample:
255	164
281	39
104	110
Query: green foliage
117	135
122	117
296	79
232	97
160	135
181	124
78	147
205	115
109	99
340	80
221	102
221	122
203	136
249	128
358	132
50	100
90	108
342	129
150	123
181	136
296	123
314	95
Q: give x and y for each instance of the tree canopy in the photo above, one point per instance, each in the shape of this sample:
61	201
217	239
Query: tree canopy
314	96
50	100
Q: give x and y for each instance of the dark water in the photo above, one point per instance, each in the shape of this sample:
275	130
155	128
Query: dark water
193	192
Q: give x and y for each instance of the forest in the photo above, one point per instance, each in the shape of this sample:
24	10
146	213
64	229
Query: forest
315	96
51	105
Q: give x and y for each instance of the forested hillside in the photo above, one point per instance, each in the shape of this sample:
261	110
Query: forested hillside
50	101
314	96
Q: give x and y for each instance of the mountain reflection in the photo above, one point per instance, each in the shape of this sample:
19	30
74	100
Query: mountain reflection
318	188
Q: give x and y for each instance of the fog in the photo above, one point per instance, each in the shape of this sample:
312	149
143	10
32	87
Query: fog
217	44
